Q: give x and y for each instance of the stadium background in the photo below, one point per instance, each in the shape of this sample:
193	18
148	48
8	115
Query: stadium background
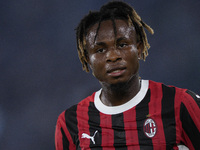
40	73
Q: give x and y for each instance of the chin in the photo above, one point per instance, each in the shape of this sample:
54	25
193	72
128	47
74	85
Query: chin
118	86
119	82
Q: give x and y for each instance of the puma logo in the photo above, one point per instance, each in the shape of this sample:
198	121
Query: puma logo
84	135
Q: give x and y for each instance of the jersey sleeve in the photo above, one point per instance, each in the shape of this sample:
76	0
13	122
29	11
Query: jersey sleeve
63	140
190	118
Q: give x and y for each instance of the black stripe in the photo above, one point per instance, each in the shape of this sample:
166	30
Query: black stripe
119	132
189	127
64	140
194	96
94	125
168	116
142	110
71	123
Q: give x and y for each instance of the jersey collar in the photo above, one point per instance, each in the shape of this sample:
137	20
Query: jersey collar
111	110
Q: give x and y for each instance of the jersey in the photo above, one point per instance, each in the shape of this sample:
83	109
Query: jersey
158	117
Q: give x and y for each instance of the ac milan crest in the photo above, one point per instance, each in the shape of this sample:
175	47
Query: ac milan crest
149	128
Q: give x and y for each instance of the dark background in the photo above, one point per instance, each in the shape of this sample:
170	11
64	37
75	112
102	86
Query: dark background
40	73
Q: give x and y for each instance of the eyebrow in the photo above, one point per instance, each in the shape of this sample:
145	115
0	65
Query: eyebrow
100	43
117	40
120	39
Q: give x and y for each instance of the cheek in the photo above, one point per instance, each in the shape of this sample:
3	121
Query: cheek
91	60
97	67
134	49
132	53
132	59
92	65
95	63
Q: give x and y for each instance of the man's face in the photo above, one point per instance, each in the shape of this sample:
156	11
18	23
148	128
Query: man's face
113	59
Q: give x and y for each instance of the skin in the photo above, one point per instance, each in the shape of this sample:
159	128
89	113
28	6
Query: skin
114	61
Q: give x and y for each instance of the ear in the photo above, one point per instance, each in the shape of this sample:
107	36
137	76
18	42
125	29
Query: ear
140	48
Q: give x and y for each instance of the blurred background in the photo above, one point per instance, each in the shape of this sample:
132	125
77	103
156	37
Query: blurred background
40	73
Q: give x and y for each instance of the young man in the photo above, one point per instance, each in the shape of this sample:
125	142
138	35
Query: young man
127	112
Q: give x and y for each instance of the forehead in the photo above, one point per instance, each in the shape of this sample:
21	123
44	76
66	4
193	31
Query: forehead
107	30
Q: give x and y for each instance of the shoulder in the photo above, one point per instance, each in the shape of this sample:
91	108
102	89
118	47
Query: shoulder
180	94
190	104
187	97
89	99
193	96
153	84
162	88
71	111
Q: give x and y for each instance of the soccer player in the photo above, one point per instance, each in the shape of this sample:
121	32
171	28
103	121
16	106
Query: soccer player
127	113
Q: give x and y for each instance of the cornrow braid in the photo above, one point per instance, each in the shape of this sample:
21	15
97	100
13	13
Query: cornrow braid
111	11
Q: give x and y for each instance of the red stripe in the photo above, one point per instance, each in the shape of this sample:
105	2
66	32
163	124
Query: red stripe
130	127
107	132
193	109
58	134
155	114
58	137
180	133
83	127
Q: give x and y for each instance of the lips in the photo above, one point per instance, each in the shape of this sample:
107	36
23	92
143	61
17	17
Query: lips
117	71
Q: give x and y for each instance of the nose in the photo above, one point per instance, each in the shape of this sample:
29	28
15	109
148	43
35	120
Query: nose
113	55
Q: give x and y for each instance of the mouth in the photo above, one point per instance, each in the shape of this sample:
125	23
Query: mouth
115	72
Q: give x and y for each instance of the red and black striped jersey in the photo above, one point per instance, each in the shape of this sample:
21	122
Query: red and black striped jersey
159	117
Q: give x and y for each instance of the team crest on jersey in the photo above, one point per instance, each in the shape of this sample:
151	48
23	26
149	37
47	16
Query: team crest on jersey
150	128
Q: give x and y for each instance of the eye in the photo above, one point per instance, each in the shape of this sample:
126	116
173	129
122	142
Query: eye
122	45
100	50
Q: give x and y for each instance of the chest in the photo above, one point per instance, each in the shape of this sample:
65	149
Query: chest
135	128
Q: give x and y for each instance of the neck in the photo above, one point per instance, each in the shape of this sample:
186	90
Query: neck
118	94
